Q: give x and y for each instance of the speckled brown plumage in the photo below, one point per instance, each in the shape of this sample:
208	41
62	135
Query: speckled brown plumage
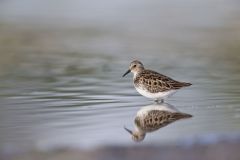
156	119
155	82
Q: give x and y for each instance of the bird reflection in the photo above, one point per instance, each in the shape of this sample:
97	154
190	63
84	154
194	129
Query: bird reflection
152	117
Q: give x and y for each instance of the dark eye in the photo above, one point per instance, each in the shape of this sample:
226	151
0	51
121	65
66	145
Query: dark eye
134	66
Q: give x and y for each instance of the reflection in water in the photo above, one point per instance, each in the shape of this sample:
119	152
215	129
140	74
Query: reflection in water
61	82
152	117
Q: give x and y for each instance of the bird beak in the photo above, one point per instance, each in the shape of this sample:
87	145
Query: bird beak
128	71
128	130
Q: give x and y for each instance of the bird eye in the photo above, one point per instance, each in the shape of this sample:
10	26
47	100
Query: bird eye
134	66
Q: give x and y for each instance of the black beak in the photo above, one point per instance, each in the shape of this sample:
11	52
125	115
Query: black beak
128	71
128	130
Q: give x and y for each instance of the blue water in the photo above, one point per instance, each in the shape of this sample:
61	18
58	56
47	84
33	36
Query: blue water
61	85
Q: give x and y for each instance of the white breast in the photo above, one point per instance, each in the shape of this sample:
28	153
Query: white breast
158	95
161	107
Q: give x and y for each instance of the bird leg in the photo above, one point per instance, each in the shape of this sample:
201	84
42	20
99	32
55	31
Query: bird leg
159	100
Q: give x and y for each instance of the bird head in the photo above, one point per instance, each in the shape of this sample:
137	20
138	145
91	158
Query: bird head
134	67
137	136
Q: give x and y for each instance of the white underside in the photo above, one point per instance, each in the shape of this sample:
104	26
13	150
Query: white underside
161	107
159	95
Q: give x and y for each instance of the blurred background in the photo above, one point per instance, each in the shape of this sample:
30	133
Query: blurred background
62	61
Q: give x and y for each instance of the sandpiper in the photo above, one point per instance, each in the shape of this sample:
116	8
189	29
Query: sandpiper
153	117
152	84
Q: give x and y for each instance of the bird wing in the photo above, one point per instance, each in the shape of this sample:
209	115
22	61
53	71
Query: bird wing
156	82
156	119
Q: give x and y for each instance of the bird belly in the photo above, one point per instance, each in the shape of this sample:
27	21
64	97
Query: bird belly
158	95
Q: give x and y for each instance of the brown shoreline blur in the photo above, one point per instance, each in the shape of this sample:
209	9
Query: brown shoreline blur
221	151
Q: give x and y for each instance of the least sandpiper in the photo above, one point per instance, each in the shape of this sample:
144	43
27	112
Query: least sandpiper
153	117
152	84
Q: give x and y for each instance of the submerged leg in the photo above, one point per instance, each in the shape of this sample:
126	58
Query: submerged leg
159	100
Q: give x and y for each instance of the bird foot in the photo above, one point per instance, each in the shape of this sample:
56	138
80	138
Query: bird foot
159	101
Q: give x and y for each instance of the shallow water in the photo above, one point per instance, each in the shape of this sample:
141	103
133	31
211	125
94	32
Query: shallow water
63	85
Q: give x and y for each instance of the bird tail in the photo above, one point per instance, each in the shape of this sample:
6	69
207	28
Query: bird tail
181	115
186	84
179	85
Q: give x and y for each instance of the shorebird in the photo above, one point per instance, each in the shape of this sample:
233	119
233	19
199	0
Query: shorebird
152	84
153	117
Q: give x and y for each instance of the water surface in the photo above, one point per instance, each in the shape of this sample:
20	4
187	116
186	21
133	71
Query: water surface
62	85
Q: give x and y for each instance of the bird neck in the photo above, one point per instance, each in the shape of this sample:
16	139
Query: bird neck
137	71
138	129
